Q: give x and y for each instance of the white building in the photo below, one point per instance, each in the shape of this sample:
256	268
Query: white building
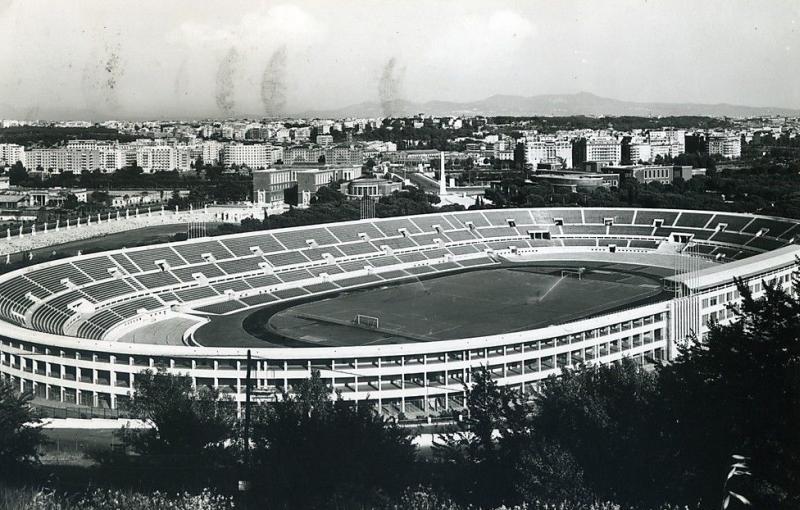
667	142
601	149
728	145
255	156
211	151
163	158
107	159
10	153
641	152
548	149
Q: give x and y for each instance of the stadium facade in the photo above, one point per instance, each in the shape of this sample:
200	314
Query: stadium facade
68	328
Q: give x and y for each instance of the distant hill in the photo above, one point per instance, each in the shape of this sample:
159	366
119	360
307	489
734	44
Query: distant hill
553	105
582	103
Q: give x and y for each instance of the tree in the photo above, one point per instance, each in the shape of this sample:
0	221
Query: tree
314	450
368	166
70	202
17	175
20	435
487	447
184	420
738	392
599	415
549	472
101	198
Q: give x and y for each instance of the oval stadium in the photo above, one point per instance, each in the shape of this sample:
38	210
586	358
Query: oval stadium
395	312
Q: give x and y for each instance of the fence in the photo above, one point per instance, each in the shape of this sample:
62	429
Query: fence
79	412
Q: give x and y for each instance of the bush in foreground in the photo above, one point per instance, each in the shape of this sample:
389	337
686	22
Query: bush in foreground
103	499
420	498
20	437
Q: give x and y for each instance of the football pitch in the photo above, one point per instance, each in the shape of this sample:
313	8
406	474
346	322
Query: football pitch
461	305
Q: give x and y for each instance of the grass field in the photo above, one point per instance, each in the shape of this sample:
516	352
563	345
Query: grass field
473	303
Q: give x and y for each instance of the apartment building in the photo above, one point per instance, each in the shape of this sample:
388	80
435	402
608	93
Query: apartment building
601	149
548	150
11	153
255	156
75	159
727	145
163	158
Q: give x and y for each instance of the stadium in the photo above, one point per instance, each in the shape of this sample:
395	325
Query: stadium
395	312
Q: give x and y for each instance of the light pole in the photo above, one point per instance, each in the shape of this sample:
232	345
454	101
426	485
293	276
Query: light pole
244	482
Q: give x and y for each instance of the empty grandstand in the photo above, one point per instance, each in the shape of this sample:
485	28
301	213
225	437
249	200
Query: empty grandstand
78	330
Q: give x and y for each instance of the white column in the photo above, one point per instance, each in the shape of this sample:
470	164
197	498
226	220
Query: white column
442	182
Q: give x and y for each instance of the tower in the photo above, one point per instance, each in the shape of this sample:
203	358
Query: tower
442	178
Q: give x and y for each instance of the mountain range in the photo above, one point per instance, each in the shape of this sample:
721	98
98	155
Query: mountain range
551	105
582	103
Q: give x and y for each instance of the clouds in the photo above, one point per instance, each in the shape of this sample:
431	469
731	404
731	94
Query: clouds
255	28
484	40
154	58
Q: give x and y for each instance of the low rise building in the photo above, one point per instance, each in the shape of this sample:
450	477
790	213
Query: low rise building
664	174
370	187
311	180
270	184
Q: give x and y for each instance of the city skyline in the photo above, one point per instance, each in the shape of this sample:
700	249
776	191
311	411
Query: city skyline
103	60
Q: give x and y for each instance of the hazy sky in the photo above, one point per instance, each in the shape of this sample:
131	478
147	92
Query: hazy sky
142	59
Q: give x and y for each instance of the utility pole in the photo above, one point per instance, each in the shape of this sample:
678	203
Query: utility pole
244	484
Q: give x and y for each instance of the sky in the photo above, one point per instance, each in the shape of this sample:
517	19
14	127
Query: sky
201	58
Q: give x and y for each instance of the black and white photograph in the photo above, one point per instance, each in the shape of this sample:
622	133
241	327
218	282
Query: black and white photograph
400	255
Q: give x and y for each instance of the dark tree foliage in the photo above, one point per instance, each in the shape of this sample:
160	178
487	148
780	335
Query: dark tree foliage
486	450
408	201
549	472
185	420
429	136
20	435
329	205
315	450
621	123
17	175
760	189
601	416
49	136
738	392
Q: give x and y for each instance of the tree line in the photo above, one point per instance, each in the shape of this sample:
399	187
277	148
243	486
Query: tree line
759	189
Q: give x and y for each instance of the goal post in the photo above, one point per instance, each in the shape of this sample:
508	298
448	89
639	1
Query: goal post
574	273
367	321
